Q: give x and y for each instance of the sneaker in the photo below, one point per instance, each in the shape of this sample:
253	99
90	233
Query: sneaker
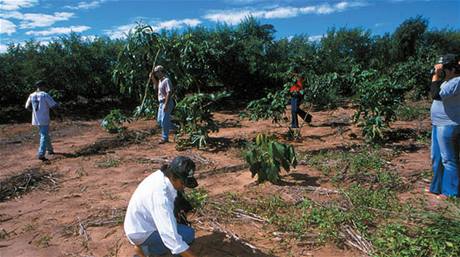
162	141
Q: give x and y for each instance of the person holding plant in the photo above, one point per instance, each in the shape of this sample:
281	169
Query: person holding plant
166	103
445	118
41	102
296	100
150	223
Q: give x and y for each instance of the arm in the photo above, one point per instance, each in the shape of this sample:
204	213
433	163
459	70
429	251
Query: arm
163	216
168	94
434	90
154	80
27	106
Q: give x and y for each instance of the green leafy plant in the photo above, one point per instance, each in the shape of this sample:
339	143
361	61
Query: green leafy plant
272	106
113	122
194	117
267	156
197	197
378	99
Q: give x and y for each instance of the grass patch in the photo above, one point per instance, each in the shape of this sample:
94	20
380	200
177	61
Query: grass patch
108	162
412	112
368	166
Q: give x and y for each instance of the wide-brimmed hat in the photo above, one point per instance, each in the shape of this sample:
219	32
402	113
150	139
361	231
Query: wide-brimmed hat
184	168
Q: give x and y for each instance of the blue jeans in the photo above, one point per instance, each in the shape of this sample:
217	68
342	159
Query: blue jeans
45	141
296	100
445	149
164	119
154	245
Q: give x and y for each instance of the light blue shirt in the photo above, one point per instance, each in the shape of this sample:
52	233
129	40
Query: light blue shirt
447	111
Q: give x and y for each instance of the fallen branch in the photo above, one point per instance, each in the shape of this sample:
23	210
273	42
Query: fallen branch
354	239
225	169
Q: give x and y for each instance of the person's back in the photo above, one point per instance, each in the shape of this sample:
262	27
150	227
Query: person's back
41	103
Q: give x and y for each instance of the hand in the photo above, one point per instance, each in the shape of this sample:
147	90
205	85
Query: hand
438	69
165	107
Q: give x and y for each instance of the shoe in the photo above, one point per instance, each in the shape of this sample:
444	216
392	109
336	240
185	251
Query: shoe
42	158
51	152
162	141
307	118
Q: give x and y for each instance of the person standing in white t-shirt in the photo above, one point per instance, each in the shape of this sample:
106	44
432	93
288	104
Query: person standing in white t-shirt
41	103
166	103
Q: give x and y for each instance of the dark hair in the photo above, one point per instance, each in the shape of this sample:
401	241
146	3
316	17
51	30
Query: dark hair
40	83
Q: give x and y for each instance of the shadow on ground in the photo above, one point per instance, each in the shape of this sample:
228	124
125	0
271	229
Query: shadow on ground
217	244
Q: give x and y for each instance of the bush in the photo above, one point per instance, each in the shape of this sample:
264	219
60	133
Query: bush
113	122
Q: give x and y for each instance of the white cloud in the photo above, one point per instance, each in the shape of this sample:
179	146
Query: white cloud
315	38
7	27
233	17
59	30
3	48
176	24
122	31
11	5
34	20
86	5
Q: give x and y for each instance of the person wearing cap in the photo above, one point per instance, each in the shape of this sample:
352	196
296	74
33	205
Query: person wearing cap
445	118
40	103
150	223
166	103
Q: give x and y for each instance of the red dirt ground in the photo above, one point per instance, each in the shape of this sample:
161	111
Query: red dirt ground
44	222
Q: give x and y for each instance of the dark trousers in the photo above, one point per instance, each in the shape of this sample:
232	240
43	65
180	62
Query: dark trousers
296	100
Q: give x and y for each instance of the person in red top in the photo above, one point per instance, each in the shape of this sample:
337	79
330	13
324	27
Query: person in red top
296	100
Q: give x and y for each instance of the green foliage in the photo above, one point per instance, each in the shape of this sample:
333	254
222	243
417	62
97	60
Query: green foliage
267	156
322	90
273	106
412	112
378	98
197	198
113	122
194	117
438	237
366	166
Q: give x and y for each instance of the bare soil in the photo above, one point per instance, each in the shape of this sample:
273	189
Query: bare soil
79	210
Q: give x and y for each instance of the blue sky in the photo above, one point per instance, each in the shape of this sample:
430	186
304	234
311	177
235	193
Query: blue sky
44	20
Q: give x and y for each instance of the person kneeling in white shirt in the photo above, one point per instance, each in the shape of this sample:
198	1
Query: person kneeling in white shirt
150	224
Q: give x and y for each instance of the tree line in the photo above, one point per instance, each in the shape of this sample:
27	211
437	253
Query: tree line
245	60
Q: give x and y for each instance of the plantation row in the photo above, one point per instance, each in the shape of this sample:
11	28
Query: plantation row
243	63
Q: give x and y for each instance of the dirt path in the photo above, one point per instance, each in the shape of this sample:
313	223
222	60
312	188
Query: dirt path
79	213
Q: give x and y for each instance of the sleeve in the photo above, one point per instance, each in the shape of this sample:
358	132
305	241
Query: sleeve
50	101
168	87
435	88
163	216
28	103
450	89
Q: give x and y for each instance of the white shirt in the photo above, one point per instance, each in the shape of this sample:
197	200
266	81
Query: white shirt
41	103
150	209
164	87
